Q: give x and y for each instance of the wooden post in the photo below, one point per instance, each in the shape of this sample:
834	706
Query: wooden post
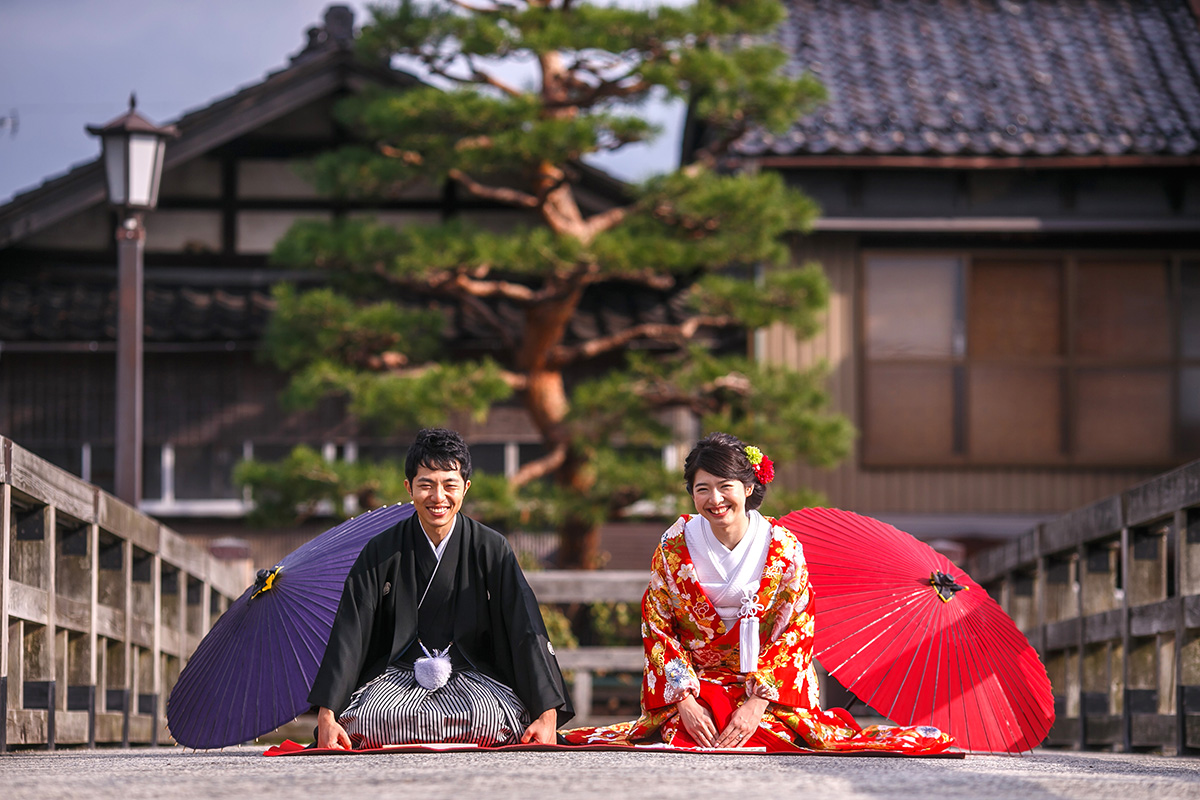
581	697
1181	532
1126	709
127	565
206	590
156	646
50	552
131	238
1039	591
1081	642
5	588
93	610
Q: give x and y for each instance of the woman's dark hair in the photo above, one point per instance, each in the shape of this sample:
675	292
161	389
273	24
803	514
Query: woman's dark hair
724	455
438	448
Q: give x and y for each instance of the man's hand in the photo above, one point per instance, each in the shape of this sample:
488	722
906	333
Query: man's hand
542	729
698	721
743	722
331	735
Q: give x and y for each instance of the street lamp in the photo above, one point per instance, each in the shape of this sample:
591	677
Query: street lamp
133	150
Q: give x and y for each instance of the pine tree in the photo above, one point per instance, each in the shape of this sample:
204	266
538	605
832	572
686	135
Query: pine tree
703	228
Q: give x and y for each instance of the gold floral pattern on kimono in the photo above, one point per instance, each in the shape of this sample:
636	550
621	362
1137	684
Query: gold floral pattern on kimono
686	642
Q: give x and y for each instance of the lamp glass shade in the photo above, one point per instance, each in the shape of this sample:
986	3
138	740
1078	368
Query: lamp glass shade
114	167
145	164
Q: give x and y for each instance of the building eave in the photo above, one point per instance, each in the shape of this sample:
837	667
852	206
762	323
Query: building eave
202	130
1004	225
982	162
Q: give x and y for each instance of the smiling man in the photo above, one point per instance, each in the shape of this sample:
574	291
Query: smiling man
438	637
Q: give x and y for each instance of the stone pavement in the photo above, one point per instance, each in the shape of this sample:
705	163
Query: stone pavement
241	772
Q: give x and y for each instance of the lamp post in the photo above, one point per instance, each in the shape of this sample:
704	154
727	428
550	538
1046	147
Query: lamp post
133	157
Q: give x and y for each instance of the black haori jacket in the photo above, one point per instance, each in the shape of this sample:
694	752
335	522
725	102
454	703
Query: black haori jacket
496	625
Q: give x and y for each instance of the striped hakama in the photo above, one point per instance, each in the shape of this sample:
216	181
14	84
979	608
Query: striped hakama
471	707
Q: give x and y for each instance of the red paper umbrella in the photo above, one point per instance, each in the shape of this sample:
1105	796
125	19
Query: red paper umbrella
912	636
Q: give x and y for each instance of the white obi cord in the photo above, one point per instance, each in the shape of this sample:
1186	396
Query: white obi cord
730	578
748	630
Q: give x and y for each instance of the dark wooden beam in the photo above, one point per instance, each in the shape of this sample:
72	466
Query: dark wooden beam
968	162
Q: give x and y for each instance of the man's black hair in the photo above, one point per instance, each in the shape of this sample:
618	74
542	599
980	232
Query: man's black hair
438	448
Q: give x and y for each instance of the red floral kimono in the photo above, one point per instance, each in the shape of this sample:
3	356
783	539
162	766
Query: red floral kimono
689	650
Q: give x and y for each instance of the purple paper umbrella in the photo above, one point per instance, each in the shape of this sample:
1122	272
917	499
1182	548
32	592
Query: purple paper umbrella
254	669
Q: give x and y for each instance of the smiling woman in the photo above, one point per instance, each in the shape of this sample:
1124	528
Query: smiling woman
728	623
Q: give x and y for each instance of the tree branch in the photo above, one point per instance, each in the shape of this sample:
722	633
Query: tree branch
563	284
647	278
515	380
608	89
541	467
476	288
440	66
662	396
650	330
500	194
604	221
410	157
479	76
708	155
474	9
459	284
484	312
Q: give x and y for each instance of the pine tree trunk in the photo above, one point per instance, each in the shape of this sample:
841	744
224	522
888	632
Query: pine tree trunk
579	537
579	545
546	401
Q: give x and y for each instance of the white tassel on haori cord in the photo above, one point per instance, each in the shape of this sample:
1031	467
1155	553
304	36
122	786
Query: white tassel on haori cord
748	631
433	670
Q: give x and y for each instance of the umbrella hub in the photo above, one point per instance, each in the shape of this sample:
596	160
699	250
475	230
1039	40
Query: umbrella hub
945	586
264	580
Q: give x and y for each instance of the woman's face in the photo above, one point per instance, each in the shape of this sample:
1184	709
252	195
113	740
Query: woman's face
721	501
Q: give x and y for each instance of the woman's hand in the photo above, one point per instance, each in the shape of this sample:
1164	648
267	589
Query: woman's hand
743	722
698	721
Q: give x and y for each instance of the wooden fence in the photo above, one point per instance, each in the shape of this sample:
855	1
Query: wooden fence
1110	597
100	607
615	586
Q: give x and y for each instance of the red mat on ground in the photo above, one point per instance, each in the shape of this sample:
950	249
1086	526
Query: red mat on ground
290	748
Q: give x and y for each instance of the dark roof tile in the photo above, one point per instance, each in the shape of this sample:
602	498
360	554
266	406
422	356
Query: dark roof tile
994	77
61	310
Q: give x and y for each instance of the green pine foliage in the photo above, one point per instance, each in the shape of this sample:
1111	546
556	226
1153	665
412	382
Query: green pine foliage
376	334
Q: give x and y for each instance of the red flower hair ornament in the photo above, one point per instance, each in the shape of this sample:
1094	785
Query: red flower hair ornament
764	468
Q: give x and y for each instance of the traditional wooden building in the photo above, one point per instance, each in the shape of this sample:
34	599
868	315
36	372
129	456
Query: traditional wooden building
1011	197
233	183
1011	224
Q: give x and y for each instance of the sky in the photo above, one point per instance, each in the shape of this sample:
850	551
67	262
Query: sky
67	64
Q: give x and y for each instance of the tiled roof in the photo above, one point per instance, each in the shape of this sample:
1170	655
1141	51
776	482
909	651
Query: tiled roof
994	78
326	65
52	311
63	310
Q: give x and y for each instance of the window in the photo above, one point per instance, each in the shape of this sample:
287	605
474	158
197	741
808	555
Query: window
1013	360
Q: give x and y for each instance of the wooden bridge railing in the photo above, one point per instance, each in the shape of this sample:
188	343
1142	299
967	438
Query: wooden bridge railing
100	607
1110	597
616	586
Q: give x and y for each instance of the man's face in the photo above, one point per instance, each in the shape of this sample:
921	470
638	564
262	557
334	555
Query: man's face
437	496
